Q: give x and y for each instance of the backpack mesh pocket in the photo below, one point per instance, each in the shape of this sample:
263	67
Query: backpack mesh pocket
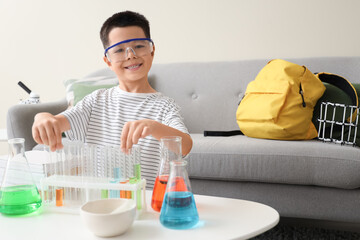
337	123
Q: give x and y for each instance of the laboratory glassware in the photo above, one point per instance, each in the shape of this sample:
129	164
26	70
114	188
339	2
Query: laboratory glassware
18	192
170	150
179	209
80	172
136	159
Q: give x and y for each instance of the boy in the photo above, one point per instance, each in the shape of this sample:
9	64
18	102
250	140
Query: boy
131	113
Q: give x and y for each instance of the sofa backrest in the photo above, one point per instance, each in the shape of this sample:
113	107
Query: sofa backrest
209	93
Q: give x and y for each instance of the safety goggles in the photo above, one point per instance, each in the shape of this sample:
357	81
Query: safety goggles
120	51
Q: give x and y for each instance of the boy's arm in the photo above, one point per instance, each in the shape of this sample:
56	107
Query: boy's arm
47	129
134	130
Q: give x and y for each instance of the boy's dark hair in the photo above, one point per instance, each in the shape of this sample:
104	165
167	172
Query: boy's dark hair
123	19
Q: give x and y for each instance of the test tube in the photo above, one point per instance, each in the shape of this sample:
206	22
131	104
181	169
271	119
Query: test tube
104	193
52	172
76	172
95	171
82	154
136	160
128	194
104	158
114	193
44	190
117	179
123	193
65	165
59	192
137	163
59	197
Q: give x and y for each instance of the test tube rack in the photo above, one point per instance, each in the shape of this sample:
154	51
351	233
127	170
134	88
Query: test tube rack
79	173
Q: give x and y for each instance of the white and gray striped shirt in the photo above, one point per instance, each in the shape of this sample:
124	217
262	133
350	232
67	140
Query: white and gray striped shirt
100	117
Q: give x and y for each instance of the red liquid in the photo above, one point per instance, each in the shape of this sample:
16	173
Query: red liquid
159	192
160	188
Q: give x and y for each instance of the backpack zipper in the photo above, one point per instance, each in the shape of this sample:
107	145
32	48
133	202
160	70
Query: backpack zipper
302	96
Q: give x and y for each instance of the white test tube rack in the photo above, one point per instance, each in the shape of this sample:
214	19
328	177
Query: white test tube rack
82	172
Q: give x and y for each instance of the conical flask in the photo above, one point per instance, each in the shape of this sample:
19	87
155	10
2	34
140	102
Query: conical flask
18	192
179	209
170	150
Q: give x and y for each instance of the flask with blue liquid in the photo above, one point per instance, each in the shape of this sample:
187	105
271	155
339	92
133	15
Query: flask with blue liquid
178	210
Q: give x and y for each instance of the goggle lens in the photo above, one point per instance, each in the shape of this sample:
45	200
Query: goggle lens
120	51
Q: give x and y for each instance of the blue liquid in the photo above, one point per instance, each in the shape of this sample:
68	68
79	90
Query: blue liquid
114	193
179	211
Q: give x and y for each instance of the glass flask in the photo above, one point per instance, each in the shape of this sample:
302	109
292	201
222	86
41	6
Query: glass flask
179	209
170	150
18	192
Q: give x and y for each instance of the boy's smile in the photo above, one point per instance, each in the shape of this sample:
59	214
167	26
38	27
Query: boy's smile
134	67
133	71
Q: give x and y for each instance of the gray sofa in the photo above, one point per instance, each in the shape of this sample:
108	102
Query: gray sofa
300	179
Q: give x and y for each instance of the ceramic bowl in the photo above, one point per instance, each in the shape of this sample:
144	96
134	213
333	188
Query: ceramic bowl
108	217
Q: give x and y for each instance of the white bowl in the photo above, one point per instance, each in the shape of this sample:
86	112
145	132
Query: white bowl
109	217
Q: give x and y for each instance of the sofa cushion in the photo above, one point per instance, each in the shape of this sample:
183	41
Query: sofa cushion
241	158
80	90
76	90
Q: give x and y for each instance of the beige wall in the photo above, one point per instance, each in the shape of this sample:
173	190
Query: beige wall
44	42
3	148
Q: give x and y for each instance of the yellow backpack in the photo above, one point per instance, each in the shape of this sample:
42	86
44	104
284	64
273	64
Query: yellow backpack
279	103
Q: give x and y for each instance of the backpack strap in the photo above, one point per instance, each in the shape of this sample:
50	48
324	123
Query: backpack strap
222	133
342	84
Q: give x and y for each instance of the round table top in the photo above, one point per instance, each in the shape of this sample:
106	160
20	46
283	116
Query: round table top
220	218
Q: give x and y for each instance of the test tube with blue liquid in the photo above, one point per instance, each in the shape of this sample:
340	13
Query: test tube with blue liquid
116	179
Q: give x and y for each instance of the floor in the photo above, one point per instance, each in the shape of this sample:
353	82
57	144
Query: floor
342	226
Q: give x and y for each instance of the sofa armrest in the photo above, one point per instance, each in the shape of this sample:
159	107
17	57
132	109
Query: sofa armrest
20	119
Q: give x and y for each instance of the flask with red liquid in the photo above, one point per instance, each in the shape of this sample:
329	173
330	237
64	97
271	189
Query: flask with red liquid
170	150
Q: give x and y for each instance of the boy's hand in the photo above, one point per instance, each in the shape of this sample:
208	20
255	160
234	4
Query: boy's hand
133	131
47	129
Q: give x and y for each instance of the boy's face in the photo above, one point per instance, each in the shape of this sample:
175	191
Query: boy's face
134	69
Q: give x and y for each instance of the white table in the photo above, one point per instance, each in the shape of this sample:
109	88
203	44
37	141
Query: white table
220	218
